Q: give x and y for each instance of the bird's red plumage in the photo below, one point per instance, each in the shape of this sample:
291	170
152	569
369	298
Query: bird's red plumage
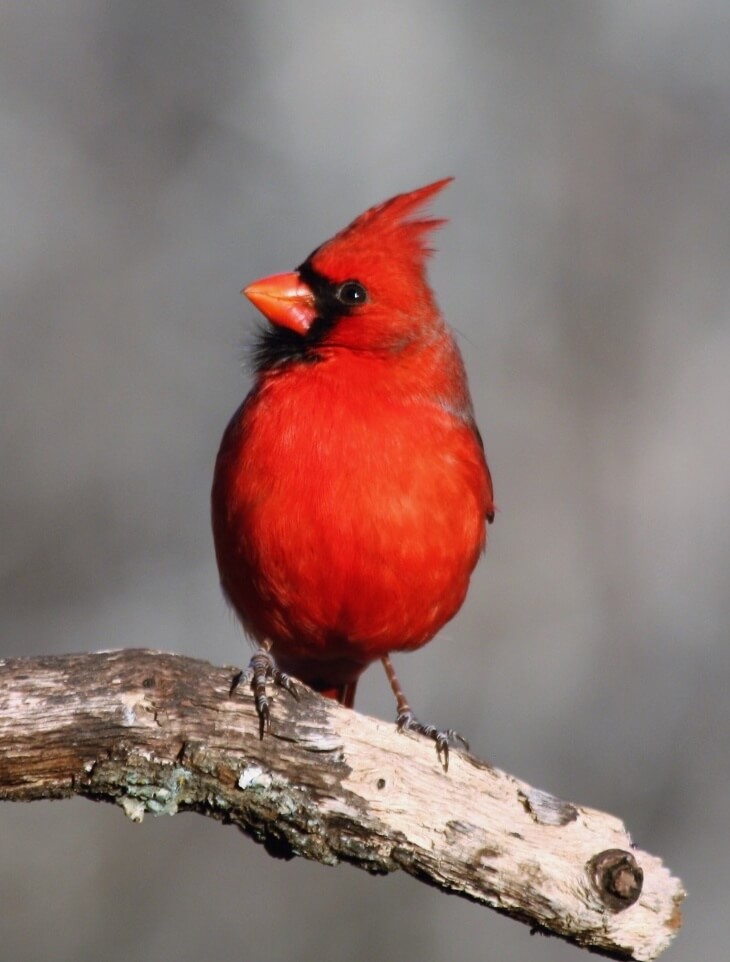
351	488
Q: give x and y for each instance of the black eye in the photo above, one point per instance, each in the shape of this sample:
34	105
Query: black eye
351	293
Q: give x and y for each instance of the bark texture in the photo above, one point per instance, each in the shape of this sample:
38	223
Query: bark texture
159	733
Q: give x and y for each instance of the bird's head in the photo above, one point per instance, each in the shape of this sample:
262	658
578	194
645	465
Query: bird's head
365	289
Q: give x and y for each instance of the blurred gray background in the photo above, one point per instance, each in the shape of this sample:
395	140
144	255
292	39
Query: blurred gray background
157	155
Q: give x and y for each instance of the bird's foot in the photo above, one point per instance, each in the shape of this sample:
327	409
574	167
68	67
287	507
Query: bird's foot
406	721
261	669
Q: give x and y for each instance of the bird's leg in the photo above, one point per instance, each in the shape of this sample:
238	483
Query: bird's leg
261	669
407	721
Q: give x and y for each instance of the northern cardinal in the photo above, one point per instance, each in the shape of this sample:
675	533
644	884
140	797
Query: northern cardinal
351	488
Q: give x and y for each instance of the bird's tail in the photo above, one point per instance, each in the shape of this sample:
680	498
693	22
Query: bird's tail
344	694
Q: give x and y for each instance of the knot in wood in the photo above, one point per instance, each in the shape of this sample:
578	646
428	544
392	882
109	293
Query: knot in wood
617	876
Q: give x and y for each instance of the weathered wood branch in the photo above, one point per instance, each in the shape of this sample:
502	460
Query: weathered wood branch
160	733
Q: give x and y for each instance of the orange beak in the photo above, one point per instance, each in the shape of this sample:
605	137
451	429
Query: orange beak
285	300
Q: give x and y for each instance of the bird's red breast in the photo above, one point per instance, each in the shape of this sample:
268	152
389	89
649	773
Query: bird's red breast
351	488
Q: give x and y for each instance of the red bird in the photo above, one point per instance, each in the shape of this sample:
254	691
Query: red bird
351	488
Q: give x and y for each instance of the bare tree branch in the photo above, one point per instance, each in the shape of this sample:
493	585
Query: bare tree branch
159	733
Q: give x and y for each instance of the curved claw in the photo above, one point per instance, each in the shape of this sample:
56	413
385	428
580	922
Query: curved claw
236	681
282	680
442	748
455	736
444	738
